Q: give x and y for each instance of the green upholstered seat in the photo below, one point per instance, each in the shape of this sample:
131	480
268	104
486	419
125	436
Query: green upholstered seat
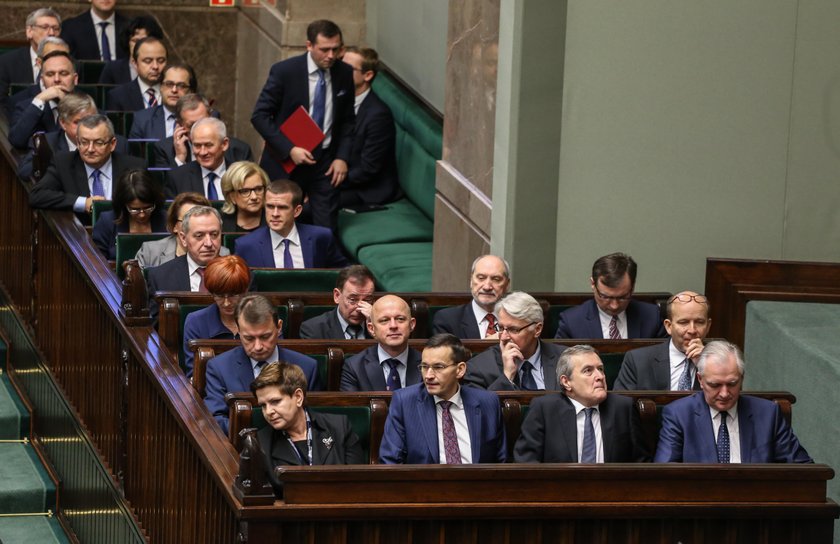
403	267
128	244
295	280
229	240
400	222
98	207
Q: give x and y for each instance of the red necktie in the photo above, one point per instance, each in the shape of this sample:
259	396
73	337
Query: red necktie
491	325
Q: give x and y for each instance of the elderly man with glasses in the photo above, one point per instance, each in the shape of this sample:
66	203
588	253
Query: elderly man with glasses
521	361
612	313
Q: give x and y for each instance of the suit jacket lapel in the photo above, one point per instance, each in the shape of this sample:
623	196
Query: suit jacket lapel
548	358
374	370
472	409
607	429
183	280
80	176
302	83
468	322
662	367
307	246
593	320
569	428
412	373
282	452
634	326
745	430
321	436
266	250
244	372
334	329
703	427
427	415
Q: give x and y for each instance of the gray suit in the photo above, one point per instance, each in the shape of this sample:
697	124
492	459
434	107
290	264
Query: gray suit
647	368
485	370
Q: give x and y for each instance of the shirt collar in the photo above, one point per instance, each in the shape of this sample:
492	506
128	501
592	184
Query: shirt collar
382	354
536	359
341	321
479	312
70	145
271	358
219	171
144	88
97	19
732	414
578	406
104	170
361	98
675	356
192	266
455	399
293	237
622	317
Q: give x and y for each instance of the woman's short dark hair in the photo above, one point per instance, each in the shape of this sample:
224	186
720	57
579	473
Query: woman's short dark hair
286	376
142	22
135	185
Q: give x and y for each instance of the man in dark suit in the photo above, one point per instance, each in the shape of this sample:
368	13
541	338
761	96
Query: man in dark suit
20	65
612	313
159	122
84	32
719	425
201	234
149	59
521	361
175	151
353	296
204	174
305	81
76	179
489	282
670	366
35	109
120	71
283	243
390	364
585	424
467	420
372	174
234	370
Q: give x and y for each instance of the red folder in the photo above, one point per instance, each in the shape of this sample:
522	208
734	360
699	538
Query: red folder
303	132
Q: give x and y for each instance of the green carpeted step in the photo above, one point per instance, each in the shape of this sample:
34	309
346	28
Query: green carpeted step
24	484
14	418
30	529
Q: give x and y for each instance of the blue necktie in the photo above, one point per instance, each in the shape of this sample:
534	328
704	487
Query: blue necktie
212	194
393	383
588	452
723	440
98	189
528	382
319	104
106	45
685	377
287	255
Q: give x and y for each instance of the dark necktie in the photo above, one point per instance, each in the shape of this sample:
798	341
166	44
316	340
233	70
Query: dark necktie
450	439
588	452
527	381
685	377
201	287
393	383
287	254
212	194
491	325
723	440
319	103
106	45
98	189
614	334
152	101
258	369
354	332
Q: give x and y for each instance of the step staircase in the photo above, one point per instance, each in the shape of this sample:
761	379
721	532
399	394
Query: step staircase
27	494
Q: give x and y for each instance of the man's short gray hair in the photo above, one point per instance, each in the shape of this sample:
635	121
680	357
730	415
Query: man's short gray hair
720	350
521	305
54	40
198	211
565	364
33	17
504	263
74	103
217	124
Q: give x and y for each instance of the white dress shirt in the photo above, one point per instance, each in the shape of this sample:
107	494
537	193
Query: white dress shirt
462	430
401	368
677	358
734	431
33	61
144	88
219	171
621	323
481	318
110	31
328	108
359	99
294	248
105	176
580	419
195	278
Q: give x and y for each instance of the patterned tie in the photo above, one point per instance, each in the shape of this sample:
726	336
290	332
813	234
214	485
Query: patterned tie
588	453
98	189
287	254
614	334
393	383
723	440
212	194
201	287
450	439
491	326
152	100
685	378
353	332
319	103
106	45
528	382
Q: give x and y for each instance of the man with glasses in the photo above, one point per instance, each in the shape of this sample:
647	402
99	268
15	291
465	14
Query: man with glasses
671	365
77	178
353	296
521	361
21	65
612	313
440	422
390	364
158	122
282	242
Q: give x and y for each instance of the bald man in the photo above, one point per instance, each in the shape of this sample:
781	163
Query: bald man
390	364
670	366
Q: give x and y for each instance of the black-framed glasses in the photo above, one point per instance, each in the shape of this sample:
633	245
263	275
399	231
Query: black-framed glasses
138	211
512	330
259	190
685	299
622	298
436	368
98	144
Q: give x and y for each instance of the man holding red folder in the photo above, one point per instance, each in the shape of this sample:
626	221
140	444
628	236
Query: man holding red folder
323	85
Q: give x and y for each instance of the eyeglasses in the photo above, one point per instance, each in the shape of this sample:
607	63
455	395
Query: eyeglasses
175	85
699	299
98	144
435	368
512	330
138	211
355	301
54	28
259	190
622	298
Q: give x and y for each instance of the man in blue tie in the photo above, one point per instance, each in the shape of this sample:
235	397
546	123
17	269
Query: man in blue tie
204	174
720	425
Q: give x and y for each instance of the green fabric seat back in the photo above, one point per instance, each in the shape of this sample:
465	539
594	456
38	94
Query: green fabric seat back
612	364
89	71
314	310
295	280
129	244
229	240
400	268
552	319
400	222
98	207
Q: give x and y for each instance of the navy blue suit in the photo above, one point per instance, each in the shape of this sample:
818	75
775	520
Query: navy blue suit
457	320
27	119
372	175
205	323
116	72
58	144
363	372
149	124
582	321
411	433
687	435
80	35
285	90
316	244
231	372
15	67
126	97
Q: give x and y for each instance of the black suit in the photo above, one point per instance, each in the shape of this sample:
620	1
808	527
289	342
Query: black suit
287	89
27	119
647	368
116	72
372	176
172	275
163	153
326	326
15	67
486	370
66	180
549	432
187	178
363	371
457	320
80	35
58	143
126	97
